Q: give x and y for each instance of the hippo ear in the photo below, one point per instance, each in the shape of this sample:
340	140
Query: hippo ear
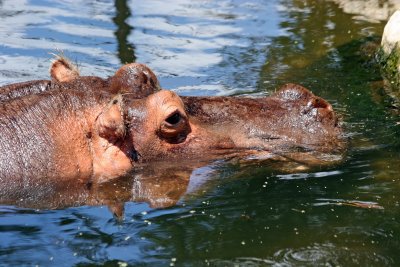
110	123
62	70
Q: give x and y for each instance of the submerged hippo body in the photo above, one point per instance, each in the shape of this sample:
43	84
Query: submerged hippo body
90	129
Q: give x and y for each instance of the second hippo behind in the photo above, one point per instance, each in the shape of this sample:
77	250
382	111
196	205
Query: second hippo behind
91	135
135	79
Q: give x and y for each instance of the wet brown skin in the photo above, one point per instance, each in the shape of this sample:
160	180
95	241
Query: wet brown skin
293	123
283	132
16	90
90	129
60	136
291	120
135	79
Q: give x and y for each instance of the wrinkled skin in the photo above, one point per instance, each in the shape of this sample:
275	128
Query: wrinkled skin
292	118
83	130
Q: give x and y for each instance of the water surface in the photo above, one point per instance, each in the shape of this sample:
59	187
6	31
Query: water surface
225	213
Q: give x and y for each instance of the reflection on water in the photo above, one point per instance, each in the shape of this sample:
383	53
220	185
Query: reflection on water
229	213
371	10
206	42
314	49
159	185
126	51
30	30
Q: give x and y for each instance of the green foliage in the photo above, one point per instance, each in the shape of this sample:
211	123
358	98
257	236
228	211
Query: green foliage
389	64
390	70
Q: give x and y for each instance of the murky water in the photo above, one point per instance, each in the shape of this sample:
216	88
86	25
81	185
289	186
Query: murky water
227	213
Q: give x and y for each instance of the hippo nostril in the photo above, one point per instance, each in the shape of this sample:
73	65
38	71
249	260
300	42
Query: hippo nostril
174	118
152	83
145	78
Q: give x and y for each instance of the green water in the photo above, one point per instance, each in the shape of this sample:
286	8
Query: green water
228	213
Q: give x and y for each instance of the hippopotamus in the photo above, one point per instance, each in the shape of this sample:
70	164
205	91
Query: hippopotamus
87	129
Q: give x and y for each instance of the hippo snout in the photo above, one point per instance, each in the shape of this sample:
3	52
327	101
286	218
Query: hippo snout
312	107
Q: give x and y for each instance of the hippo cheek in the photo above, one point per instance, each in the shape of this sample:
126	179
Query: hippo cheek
163	129
204	138
111	142
200	143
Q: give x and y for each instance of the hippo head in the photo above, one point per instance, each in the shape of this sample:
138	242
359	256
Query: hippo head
161	127
150	124
293	123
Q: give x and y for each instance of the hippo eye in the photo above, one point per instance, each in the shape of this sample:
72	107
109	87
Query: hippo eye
174	128
174	118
